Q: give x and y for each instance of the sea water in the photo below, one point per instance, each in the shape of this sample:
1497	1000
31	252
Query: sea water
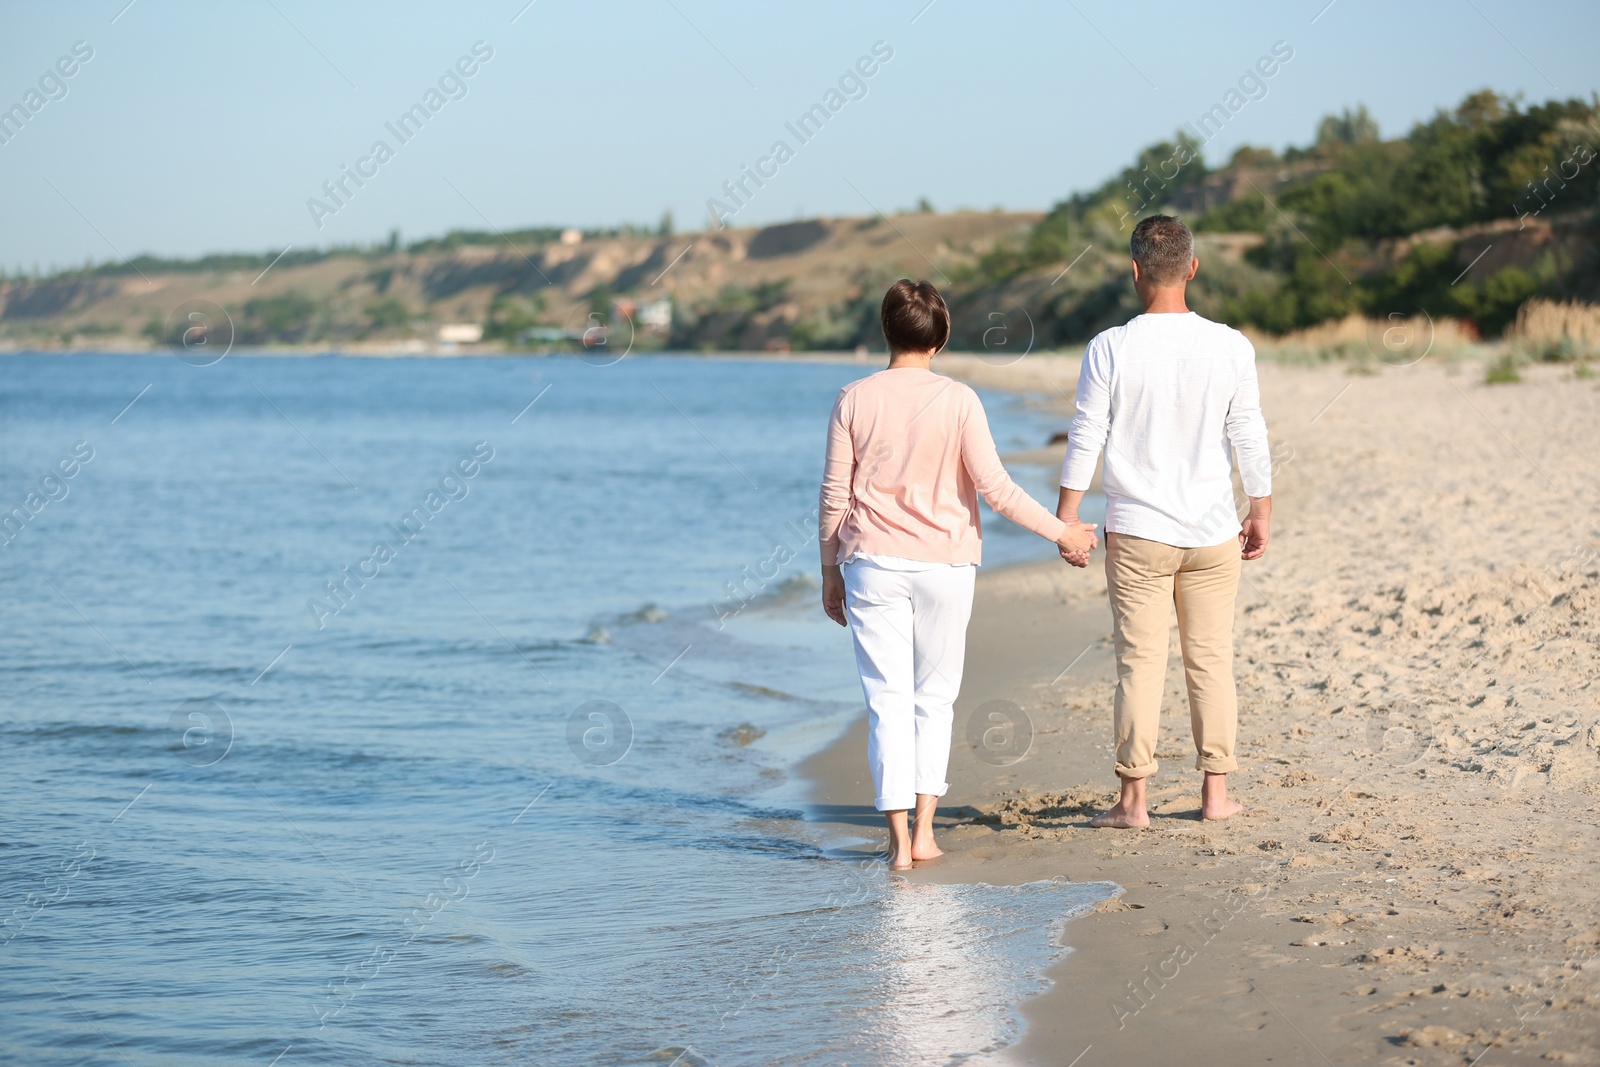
408	711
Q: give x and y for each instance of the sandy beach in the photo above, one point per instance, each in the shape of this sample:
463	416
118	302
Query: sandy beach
1414	879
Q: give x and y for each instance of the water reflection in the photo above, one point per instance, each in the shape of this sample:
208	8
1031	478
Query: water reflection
955	960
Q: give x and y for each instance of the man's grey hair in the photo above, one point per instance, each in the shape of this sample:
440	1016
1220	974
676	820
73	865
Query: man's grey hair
1163	247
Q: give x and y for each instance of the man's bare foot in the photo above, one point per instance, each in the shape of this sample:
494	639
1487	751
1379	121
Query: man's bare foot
1121	818
1130	811
1214	803
923	848
899	860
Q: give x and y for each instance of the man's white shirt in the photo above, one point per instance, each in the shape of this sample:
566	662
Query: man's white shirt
1170	398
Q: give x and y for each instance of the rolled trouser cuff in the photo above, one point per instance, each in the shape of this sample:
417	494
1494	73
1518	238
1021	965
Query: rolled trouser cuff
1216	764
1142	771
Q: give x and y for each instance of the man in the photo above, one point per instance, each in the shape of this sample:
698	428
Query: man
1170	397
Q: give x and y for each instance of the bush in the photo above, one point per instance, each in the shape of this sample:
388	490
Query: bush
1496	303
510	315
387	314
1248	214
1502	372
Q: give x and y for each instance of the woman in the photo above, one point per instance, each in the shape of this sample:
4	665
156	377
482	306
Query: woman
909	452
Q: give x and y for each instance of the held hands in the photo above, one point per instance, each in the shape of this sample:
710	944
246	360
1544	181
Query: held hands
1076	542
833	594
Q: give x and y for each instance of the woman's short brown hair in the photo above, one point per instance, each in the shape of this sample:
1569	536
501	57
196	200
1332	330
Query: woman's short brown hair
914	317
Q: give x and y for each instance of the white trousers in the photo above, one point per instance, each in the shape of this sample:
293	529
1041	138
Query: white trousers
910	631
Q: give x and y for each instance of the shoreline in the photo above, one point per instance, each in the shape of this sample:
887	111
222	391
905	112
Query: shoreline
1414	879
457	353
975	368
1004	650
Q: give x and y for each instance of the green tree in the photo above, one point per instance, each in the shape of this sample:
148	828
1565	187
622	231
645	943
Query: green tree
1347	128
388	314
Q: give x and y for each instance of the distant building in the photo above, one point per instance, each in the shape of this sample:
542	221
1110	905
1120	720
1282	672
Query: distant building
656	314
652	314
591	336
460	333
571	237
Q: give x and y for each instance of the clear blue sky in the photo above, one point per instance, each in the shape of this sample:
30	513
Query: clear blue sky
200	127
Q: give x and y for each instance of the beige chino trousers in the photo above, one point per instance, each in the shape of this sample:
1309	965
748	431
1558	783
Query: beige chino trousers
1146	580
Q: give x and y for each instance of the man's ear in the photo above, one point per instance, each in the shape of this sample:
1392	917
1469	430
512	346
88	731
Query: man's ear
1194	265
1136	270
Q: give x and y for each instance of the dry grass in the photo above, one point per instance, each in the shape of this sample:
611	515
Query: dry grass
1394	341
1391	331
1548	324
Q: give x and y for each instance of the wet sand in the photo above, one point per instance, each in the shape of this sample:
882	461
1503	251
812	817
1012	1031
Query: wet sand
1416	877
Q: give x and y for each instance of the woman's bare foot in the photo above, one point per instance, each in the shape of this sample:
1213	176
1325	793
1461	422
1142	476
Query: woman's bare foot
1122	818
900	851
922	845
1214	803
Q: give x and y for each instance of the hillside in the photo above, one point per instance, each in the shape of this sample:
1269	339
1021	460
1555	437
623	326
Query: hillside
1466	217
810	284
